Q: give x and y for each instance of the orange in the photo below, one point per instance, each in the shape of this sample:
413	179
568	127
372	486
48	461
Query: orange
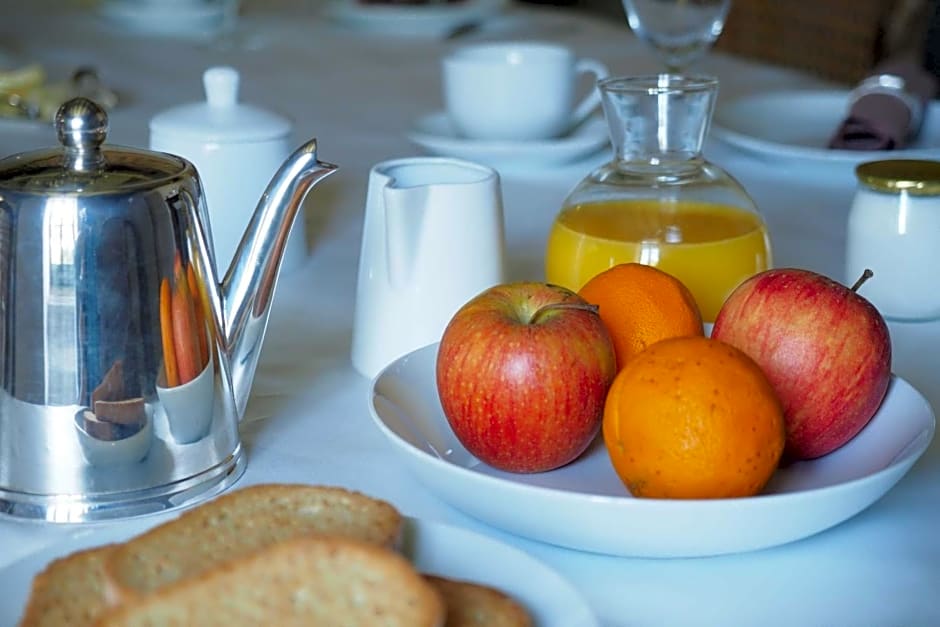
641	305
691	418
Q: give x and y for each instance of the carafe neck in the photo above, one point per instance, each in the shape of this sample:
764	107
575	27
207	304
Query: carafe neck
658	123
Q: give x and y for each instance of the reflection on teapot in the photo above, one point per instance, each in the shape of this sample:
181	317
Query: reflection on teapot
182	326
125	362
185	381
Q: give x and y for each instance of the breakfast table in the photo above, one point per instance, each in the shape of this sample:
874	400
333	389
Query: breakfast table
358	91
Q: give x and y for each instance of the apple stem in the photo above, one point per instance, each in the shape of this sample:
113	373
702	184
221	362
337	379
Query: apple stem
551	306
867	274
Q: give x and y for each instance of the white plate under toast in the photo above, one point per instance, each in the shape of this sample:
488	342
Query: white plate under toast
585	506
433	547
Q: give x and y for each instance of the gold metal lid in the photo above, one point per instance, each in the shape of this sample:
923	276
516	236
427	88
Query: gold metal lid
914	176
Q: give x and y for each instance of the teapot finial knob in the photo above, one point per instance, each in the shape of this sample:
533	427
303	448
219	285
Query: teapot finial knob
82	126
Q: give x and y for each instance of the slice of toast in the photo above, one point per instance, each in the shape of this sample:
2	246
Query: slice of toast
304	581
76	589
69	591
471	604
239	523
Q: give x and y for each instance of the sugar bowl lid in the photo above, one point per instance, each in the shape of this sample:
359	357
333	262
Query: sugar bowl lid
83	163
220	118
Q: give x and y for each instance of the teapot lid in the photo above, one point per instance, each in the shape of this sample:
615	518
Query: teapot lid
221	118
83	163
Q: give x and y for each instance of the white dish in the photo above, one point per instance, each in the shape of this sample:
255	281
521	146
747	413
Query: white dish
799	125
585	506
412	20
433	547
182	20
436	135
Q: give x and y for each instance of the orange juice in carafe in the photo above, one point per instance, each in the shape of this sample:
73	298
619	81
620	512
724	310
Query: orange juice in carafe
659	201
710	247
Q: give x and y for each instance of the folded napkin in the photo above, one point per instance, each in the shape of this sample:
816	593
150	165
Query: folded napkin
887	108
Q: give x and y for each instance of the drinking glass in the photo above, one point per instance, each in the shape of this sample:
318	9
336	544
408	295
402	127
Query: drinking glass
679	31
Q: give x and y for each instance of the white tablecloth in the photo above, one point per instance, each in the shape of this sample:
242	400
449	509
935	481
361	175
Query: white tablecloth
308	417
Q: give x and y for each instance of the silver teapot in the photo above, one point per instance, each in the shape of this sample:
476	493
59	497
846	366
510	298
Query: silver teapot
125	361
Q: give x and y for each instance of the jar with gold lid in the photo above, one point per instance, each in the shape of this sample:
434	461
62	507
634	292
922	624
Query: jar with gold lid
894	230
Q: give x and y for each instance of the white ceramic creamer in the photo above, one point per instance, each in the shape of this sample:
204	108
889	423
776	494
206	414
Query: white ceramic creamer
432	239
236	149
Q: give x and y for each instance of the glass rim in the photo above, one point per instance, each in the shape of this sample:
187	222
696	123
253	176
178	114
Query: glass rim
662	83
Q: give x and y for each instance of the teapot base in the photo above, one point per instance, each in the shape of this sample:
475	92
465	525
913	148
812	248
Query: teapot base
81	508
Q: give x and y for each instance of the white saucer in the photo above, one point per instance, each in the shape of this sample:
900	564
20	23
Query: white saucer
181	20
435	134
437	20
799	124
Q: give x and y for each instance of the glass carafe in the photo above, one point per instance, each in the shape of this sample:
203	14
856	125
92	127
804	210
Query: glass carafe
659	202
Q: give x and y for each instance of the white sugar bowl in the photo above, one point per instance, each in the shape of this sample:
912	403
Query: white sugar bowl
236	149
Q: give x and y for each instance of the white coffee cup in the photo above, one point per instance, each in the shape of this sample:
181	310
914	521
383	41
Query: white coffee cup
432	239
517	90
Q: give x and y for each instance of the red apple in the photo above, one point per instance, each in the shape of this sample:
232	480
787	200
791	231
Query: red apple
522	372
825	349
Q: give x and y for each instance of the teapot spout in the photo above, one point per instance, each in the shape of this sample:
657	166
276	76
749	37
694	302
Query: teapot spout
248	285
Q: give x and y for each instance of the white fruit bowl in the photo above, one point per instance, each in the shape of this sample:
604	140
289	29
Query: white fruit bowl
584	505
